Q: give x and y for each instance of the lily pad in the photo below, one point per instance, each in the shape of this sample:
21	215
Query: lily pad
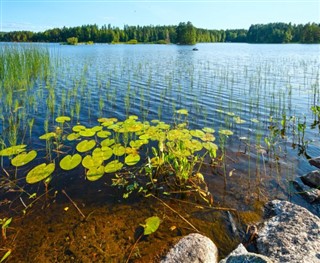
87	133
113	166
132	159
105	152
238	120
107	142
92	161
194	145
138	143
226	132
40	172
48	136
151	225
119	150
23	158
73	136
208	130
13	150
70	162
62	119
78	128
95	173
103	134
182	112
208	137
85	146
197	133
96	128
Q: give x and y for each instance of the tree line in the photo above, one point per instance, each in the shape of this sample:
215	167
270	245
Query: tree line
184	33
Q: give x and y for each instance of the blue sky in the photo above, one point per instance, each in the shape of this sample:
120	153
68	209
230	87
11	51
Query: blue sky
39	15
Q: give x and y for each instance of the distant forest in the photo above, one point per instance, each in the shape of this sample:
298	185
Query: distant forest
184	33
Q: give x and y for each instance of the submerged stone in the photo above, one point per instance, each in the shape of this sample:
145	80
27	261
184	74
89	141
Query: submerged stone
292	234
312	179
241	255
193	248
315	162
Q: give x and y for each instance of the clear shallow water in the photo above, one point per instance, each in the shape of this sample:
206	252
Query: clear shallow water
260	84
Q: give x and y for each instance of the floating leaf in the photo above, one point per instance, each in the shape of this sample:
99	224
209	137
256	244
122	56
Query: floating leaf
96	128
40	172
87	133
105	152
95	173
132	159
107	142
197	133
63	119
208	137
138	143
194	145
119	150
133	117
103	134
182	112
208	130
238	120
78	128
226	132
85	146
23	158
70	162
254	120
230	113
92	161
151	225
48	136
113	166
73	136
13	150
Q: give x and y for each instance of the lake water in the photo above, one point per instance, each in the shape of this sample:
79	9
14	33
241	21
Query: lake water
259	92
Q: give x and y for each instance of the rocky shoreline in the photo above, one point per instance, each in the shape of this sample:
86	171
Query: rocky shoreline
289	233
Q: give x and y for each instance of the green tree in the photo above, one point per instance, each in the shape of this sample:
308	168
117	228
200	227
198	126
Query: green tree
186	34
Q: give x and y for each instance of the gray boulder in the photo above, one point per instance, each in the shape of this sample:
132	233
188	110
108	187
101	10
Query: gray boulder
193	248
292	234
310	194
241	255
312	179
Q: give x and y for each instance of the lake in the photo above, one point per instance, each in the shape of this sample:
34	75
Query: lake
262	93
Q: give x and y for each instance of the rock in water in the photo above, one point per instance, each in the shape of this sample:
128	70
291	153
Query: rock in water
193	248
312	179
292	234
241	255
315	162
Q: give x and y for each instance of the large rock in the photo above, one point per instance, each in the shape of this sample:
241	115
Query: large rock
312	179
315	162
292	234
194	248
310	194
241	255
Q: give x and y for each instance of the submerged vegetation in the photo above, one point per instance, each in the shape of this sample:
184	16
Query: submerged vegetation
151	126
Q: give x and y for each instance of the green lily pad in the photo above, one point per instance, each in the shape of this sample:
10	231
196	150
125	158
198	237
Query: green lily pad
96	128
182	112
73	136
119	150
13	150
238	120
92	161
87	132
48	136
208	137
85	146
70	162
40	172
107	142
255	120
95	173
103	134
78	128
197	133
151	225
210	146
132	159
23	158
133	117
226	132
62	119
113	166
105	152
208	130
194	145
138	143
